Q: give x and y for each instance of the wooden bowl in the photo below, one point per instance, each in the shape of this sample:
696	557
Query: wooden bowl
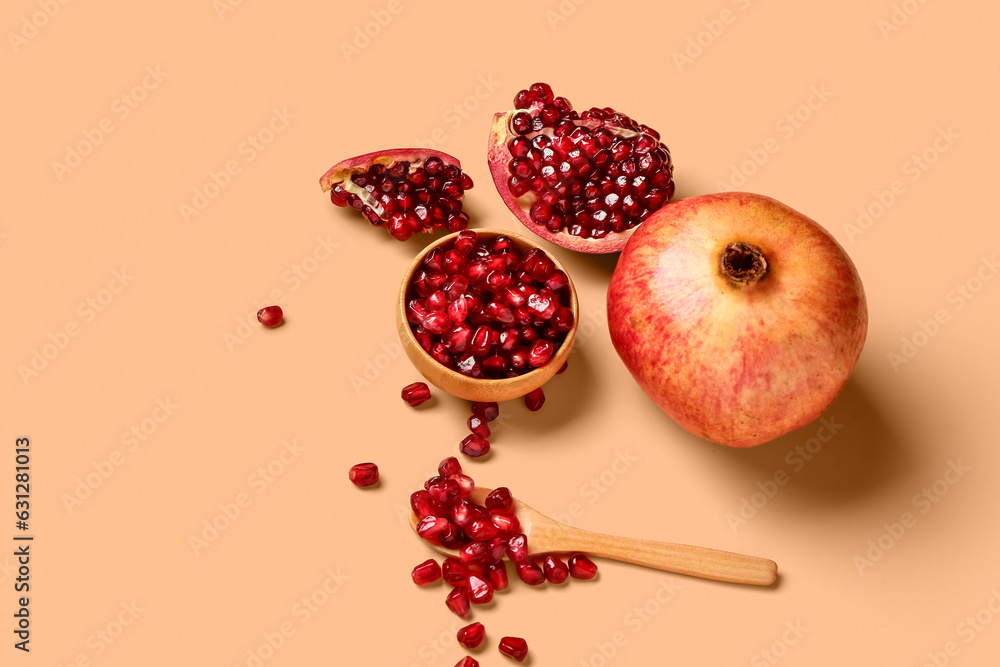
480	389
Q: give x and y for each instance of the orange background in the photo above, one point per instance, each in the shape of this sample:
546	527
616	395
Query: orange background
160	169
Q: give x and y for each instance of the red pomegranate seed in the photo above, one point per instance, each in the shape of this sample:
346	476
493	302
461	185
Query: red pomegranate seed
445	492
416	393
479	426
555	570
487	411
454	571
364	474
506	522
514	647
562	369
463	513
451	537
540	353
474	446
458	601
270	316
481	530
517	548
426	573
467	661
499	499
581	567
421	503
534	399
498	548
475	553
496	573
530	573
480	591
449	466
465	483
431	526
471	635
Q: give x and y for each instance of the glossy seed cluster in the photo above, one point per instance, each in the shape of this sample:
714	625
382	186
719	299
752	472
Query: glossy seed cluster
485	309
483	535
589	173
408	197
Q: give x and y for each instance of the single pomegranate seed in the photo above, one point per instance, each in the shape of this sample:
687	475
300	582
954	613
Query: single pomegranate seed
467	661
364	474
555	570
458	601
498	548
514	647
499	499
534	399
487	411
416	393
496	573
581	567
471	635
463	513
432	526
422	504
474	446
451	537
479	426
480	591
465	483
449	466
270	317
540	353
454	571
517	548
445	492
426	573
507	523
530	573
475	553
481	530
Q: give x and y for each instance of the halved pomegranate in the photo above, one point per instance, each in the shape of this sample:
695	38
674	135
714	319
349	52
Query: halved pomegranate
583	181
407	190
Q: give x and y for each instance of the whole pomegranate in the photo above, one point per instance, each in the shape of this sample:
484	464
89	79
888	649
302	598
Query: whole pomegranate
739	316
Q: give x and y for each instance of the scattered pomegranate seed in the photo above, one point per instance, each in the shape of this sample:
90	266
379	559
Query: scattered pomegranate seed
484	308
534	399
426	573
581	567
467	661
458	601
530	573
514	647
454	571
487	411
471	635
496	574
555	570
364	474
479	426
480	591
474	446
271	316
416	393
432	526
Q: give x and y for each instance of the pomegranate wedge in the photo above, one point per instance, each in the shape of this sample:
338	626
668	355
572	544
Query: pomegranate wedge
583	181
406	190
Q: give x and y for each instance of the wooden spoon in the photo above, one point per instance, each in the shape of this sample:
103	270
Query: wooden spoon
547	535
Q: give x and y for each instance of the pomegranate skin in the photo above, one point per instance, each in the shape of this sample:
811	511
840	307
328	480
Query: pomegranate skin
736	362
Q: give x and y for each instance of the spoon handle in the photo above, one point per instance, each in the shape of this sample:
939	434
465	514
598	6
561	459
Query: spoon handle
680	558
